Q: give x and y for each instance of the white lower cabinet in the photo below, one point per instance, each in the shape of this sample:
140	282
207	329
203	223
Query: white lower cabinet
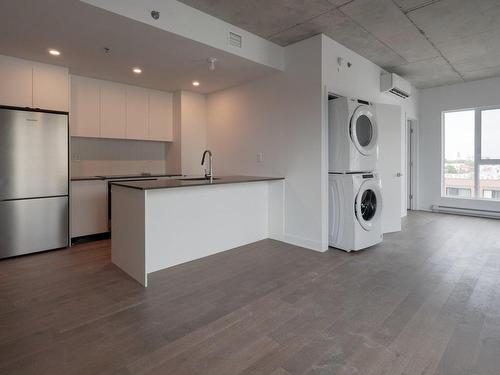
89	207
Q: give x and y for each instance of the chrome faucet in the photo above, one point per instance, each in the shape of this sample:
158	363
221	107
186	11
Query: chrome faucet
210	173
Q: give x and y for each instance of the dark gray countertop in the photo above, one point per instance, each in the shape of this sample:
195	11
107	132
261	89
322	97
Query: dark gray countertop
177	183
144	175
113	177
86	178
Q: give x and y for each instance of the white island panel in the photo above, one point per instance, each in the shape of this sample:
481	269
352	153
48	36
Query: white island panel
156	228
128	234
191	223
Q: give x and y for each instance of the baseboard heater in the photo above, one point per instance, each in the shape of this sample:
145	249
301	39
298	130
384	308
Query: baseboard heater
466	211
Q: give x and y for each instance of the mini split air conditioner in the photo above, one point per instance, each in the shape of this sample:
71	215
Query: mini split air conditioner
394	84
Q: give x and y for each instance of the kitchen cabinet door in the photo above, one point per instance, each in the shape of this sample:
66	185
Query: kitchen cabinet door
16	78
89	207
137	113
84	112
50	87
113	110
160	116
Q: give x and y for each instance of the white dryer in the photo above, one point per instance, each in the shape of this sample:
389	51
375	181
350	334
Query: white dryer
355	211
353	136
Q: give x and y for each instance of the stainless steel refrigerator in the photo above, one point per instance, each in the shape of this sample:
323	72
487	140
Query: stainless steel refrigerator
33	181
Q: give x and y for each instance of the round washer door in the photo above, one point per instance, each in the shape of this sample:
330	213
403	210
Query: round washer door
363	130
368	204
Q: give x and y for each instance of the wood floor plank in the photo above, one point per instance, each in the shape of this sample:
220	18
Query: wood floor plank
425	301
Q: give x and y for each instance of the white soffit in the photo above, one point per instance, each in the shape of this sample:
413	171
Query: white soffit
191	23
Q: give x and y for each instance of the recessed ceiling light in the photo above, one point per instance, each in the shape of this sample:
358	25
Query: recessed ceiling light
196	83
137	70
54	52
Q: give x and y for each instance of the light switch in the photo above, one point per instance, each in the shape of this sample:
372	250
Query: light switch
260	157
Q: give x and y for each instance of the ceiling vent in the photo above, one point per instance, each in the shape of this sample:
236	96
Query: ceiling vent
394	84
235	40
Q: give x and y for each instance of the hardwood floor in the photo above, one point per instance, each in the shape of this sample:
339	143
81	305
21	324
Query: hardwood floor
425	301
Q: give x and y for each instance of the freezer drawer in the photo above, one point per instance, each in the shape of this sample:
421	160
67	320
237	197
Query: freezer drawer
32	225
33	154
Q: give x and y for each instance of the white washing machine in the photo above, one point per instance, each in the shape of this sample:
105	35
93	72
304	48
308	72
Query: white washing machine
355	210
353	136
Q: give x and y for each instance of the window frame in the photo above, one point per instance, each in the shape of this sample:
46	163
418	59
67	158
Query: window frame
478	160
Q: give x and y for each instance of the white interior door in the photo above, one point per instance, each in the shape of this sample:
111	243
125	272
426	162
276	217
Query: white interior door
389	119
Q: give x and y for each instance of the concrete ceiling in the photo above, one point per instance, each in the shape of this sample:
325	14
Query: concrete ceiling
81	32
429	42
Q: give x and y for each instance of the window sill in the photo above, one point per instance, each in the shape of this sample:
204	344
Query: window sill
471	199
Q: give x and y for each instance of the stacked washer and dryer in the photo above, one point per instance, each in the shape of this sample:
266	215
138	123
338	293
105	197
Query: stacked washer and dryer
355	200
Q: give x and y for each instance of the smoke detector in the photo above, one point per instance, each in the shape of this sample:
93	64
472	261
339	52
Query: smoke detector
155	14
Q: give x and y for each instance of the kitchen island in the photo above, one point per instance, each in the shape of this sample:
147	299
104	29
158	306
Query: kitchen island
162	223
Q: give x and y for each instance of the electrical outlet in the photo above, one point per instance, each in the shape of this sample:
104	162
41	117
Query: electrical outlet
260	157
75	157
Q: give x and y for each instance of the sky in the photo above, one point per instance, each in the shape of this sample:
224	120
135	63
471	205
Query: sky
459	134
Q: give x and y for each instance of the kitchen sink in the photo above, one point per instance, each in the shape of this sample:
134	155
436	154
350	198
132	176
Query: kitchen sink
197	179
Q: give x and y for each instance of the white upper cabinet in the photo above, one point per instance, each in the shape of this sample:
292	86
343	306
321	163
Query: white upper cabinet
137	113
113	110
28	84
16	82
84	112
103	109
50	87
160	116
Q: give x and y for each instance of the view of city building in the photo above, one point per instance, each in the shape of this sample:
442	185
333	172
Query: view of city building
459	166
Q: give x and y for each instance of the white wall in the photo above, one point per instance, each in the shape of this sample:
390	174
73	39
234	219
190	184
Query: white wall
433	102
362	81
281	117
193	132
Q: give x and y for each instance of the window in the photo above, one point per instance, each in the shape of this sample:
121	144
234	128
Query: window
491	194
458	192
471	154
459	166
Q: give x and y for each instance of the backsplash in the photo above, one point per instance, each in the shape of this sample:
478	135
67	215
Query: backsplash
91	157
